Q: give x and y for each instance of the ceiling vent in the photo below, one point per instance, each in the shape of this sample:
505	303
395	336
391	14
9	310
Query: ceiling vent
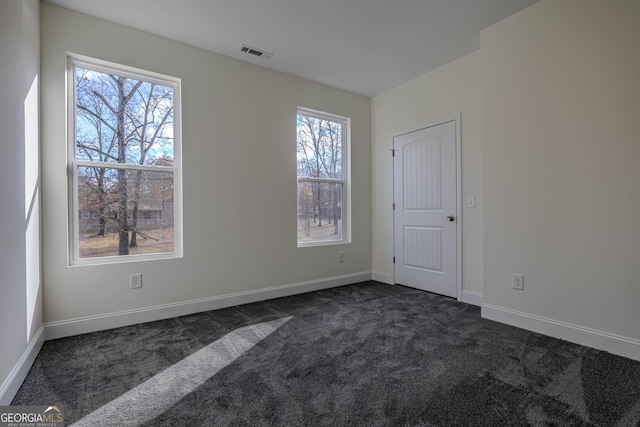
255	52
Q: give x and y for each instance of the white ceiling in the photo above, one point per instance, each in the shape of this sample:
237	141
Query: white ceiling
363	46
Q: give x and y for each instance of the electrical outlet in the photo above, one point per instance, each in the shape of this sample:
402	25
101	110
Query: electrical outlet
517	281
340	256
136	281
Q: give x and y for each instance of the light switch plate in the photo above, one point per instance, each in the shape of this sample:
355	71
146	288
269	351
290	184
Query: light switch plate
471	201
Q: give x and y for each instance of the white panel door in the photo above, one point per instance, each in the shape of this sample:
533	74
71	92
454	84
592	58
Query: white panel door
425	200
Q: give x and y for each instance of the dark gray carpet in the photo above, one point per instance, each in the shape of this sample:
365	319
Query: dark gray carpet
361	355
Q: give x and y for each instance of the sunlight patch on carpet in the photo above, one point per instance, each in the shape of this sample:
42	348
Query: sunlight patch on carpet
149	399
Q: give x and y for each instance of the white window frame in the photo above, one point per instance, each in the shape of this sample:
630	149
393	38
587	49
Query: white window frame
73	61
345	181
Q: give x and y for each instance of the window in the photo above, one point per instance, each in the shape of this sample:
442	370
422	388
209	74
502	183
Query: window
124	161
323	190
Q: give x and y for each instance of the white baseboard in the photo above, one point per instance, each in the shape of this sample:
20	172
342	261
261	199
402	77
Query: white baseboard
12	383
101	322
379	276
615	344
471	297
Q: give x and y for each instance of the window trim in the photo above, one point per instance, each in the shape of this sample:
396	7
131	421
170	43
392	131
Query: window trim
73	222
345	181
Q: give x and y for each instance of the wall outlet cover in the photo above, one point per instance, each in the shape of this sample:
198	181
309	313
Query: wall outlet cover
135	281
517	281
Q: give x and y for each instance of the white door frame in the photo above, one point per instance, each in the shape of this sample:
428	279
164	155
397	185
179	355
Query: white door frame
455	118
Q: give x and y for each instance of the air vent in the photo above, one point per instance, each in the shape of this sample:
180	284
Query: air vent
255	52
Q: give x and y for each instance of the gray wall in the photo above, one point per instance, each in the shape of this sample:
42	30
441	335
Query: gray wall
561	120
239	175
20	286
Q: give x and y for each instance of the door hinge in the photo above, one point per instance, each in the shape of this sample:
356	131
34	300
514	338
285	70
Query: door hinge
394	206
393	152
394	260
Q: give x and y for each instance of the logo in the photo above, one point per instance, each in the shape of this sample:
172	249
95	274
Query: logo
31	416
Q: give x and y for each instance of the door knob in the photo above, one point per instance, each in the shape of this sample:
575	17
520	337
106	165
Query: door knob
451	218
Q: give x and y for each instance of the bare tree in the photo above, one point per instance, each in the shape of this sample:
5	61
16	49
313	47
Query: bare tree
97	145
335	154
310	139
113	93
319	147
149	123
